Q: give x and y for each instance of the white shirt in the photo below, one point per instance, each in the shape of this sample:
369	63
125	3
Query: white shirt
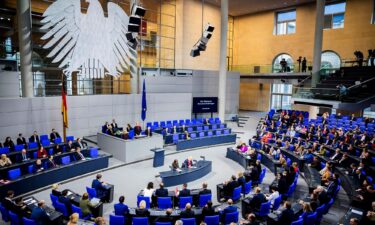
148	193
273	196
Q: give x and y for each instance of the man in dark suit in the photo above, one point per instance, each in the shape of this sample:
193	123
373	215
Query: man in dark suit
322	195
69	146
167	218
229	209
100	187
81	144
8	203
161	192
208	210
53	135
287	215
332	186
35	137
120	208
21	140
148	132
282	184
39	215
114	124
204	190
230	186
187	213
336	156
185	191
66	201
251	220
257	200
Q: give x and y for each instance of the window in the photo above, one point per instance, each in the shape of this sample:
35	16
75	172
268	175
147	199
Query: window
281	96
334	15
286	22
276	67
330	60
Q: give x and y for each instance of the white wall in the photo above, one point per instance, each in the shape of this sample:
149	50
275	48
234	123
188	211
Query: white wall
9	84
87	113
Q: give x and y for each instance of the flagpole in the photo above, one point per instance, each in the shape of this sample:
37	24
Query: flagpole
62	114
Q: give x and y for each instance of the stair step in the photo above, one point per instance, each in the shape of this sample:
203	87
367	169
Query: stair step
245	117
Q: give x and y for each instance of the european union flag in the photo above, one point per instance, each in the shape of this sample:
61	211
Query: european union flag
144	104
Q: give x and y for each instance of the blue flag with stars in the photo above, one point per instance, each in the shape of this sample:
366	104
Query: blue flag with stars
144	104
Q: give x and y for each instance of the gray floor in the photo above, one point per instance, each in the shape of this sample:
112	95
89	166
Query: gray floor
130	179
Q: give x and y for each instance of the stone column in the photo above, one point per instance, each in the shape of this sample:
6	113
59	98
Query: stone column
223	58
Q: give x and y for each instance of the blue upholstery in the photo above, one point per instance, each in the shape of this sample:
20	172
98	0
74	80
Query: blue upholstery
4	214
4	150
35	155
57	140
214	127
265	208
209	133
94	152
146	199
54	199
236	195
262	175
185	200
91	192
199	129
226	131
62	208
65	160
212	220
231	218
203	199
19	147
310	219
164	202
14	219
193	135
206	128
163	223
328	206
247	188
32	145
131	134
175	138
27	221
320	212
43	137
188	221
30	169
190	129
201	134
277	203
140	221
218	132
14	174
69	138
116	220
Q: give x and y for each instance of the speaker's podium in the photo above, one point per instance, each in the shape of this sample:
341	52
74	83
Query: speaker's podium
158	157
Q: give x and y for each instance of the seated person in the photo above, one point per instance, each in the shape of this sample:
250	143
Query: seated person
208	210
148	132
55	190
5	161
167	218
161	192
24	156
120	208
57	150
204	190
274	194
73	219
20	208
78	154
229	209
174	130
114	124
105	127
125	135
229	186
251	220
287	215
42	153
187	135
282	160
66	201
81	144
38	167
100	221
188	163
307	211
85	205
54	135
137	129
141	211
129	127
308	156
175	165
39	214
9	144
69	147
34	138
257	200
21	140
100	187
282	183
187	213
51	162
241	180
336	156
370	215
185	191
316	163
8	203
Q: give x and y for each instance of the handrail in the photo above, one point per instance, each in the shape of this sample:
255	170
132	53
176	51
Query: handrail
358	85
303	81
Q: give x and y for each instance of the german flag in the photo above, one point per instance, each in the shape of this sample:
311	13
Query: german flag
64	106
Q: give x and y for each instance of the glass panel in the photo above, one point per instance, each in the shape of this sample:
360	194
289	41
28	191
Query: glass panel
335	8
281	28
328	22
286	16
277	60
330	60
338	21
286	102
291	27
276	102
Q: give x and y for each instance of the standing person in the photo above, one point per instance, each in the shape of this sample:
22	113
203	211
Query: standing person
283	65
54	134
299	63
21	140
304	65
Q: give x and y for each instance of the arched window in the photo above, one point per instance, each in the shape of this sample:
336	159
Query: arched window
276	66
330	60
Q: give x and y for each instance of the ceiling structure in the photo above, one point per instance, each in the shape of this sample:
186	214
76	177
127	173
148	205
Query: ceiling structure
243	7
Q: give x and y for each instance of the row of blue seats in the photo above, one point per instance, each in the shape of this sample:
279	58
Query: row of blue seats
290	112
186	122
203	128
177	137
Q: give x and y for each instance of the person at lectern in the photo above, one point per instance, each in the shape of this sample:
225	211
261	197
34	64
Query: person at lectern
188	163
137	129
100	187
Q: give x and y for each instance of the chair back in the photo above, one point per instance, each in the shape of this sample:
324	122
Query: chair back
32	145
27	221
164	202
116	220
69	138
188	221
185	200
276	203
19	147
58	140
54	199
146	199
231	217
30	168
310	219
203	199
247	188
212	220
262	175
163	223
14	219
76	209
94	152
265	208
14	174
43	137
319	212
65	160
4	213
140	221
62	208
328	206
91	192
236	195
4	150
45	143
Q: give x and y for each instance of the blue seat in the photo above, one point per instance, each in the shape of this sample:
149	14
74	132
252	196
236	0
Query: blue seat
322	164
163	223
156	124
288	162
14	219
69	138
310	219
148	124
247	188
319	213
201	134
62	208
214	127
277	202
116	220
209	133
54	199
19	147
35	155
58	140
94	152
212	220
91	192
188	221
14	174
190	129
206	128
199	129
4	150
43	137
78	210
328	206
164	202
203	199
193	135
264	210
162	124
262	175
140	221
175	138
222	126
218	132
236	195
30	169
27	221
146	199
185	200
65	160
32	145
226	131
231	218
4	213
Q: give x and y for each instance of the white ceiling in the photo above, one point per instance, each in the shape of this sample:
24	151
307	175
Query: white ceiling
243	7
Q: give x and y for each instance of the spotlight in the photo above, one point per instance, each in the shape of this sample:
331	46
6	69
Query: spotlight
133	28
130	36
139	11
195	52
135	20
209	28
207	34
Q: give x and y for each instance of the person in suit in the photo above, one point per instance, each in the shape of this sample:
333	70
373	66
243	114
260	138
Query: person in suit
79	155
53	135
42	153
182	129
208	210
9	144
344	161
204	190
281	183
141	211
120	208
251	220
57	150
35	137
188	163
7	202
174	130
39	214
69	147
148	132
241	180
187	213
167	218
114	124
20	208
100	187
257	200
81	144
51	162
332	186
66	201
229	186
229	209
24	156
55	190
85	205
21	140
287	215
161	191
185	191
137	129
336	156
322	195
